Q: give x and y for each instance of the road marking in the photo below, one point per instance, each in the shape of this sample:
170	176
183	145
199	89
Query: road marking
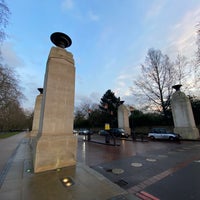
171	152
117	171
187	148
163	156
181	150
146	196
151	159
136	164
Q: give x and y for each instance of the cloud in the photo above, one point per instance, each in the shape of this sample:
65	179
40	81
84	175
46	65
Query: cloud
9	55
123	82
67	4
92	98
183	34
30	91
29	78
93	16
155	9
105	36
110	64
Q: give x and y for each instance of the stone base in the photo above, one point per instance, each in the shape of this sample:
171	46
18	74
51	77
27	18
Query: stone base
127	130
187	132
33	133
53	152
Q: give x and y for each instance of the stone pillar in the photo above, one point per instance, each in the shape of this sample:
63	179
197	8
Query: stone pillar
123	118
183	116
56	145
36	116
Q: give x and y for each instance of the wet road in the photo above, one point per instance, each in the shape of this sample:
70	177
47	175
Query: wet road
163	170
93	153
160	170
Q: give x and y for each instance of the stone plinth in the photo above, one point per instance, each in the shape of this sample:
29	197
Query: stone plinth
183	116
123	118
36	116
55	152
56	145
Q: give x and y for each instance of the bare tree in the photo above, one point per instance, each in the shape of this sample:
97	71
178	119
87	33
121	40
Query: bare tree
10	95
180	69
197	63
12	116
198	44
4	15
9	88
156	80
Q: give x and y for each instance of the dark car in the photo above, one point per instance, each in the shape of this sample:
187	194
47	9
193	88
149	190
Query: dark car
103	132
119	132
162	133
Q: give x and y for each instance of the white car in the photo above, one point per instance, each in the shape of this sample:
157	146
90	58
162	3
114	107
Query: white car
161	133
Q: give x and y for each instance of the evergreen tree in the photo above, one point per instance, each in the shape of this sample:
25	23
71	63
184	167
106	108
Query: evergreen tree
109	105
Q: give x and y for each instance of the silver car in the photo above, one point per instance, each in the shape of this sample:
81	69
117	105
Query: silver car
83	132
161	133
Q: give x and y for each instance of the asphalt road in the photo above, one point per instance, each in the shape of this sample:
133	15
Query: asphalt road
160	170
183	185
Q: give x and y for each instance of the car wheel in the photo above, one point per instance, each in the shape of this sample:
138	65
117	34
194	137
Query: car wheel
171	138
152	138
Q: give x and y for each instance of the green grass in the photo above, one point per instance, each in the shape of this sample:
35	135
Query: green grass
8	134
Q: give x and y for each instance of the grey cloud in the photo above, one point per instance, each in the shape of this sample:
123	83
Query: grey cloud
10	57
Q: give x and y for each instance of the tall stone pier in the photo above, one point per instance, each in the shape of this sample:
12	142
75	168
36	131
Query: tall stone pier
36	115
56	145
123	118
183	116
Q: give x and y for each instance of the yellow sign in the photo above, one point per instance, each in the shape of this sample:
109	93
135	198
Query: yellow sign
107	127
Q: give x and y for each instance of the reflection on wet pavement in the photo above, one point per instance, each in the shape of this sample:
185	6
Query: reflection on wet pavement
93	154
137	166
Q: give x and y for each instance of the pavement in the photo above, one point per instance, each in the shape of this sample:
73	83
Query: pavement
127	171
18	182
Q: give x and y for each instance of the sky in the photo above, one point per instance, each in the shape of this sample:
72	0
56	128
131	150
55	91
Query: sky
110	39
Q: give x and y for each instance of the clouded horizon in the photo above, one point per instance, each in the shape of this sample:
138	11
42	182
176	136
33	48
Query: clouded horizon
110	40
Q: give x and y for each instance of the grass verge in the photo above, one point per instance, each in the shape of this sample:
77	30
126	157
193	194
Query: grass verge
8	134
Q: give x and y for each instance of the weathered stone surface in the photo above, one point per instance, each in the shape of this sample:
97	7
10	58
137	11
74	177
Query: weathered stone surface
58	96
53	152
56	145
187	132
123	118
36	116
183	116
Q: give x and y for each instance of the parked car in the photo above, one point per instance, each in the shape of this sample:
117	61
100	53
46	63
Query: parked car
83	132
75	131
162	133
119	132
103	132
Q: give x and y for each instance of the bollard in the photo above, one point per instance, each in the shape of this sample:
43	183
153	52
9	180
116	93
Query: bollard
107	139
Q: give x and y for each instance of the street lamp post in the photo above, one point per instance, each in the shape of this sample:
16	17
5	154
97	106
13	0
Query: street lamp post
89	133
132	127
107	137
107	127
